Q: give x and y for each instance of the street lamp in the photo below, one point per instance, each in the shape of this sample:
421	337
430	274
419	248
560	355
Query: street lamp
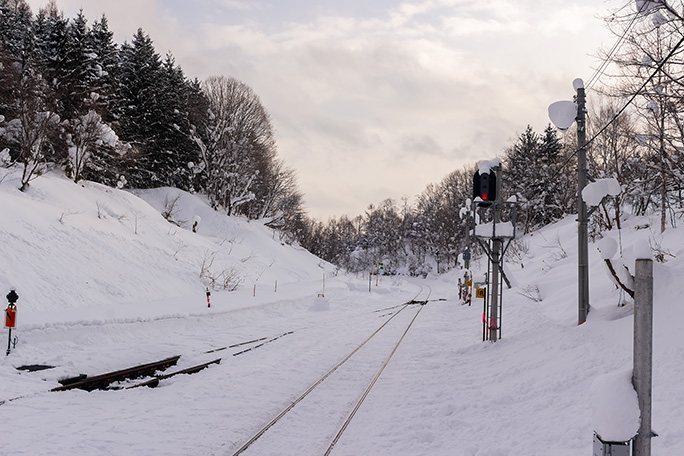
562	114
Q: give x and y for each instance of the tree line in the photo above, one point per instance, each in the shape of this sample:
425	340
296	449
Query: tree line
125	116
636	130
430	233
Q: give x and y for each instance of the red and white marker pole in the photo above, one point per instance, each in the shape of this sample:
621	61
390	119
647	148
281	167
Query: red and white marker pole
11	316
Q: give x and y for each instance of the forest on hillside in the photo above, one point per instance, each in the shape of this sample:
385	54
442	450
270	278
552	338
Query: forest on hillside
124	116
72	99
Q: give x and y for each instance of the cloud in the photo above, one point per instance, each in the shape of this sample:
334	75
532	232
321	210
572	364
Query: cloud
239	5
378	96
419	145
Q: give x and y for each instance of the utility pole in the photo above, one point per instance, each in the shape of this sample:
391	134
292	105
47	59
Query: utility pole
582	237
562	114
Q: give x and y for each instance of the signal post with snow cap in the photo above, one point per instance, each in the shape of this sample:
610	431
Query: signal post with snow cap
493	226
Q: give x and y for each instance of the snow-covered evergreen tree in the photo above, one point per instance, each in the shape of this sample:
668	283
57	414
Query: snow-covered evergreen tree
533	172
175	143
138	112
102	66
16	29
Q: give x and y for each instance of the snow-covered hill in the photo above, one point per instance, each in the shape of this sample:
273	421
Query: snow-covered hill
105	282
73	250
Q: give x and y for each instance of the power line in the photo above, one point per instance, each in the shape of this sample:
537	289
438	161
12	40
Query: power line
643	86
599	71
633	97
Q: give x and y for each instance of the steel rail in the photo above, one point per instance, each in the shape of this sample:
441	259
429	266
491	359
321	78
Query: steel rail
263	430
370	386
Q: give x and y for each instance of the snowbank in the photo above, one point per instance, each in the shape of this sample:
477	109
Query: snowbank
67	246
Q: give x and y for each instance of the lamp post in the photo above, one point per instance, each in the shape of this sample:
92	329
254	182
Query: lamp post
563	114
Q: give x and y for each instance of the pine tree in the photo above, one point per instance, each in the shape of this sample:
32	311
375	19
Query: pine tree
103	67
174	138
534	174
558	190
138	112
16	30
52	37
521	176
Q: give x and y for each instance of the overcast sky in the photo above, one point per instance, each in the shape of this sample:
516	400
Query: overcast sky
375	99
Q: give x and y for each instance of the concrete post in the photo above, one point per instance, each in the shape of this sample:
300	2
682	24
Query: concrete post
643	352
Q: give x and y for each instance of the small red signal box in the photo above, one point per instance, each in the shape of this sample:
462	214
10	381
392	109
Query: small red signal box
11	317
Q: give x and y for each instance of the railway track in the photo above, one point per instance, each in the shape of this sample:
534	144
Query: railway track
148	371
103	381
392	333
107	381
152	373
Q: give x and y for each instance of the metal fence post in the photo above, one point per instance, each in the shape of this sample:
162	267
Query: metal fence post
643	352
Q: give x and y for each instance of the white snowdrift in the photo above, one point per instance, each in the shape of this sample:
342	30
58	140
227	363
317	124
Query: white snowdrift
106	282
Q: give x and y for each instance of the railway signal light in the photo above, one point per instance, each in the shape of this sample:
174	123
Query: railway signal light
12	297
484	187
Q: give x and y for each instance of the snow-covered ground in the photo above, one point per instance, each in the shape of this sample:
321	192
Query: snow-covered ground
105	282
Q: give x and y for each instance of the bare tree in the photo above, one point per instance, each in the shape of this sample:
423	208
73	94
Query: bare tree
31	129
650	68
616	154
236	145
279	196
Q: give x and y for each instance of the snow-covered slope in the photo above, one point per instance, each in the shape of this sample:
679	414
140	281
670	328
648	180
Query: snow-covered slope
65	245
